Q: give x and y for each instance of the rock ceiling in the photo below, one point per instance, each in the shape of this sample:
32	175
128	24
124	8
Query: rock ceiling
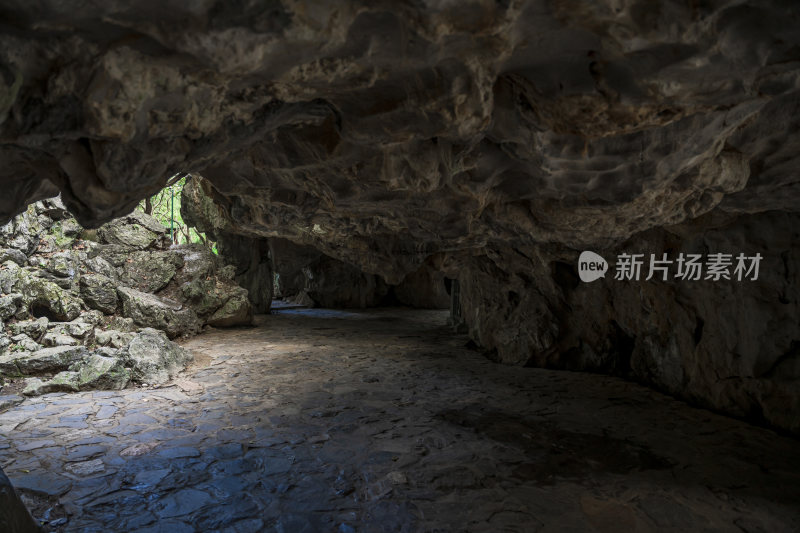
382	132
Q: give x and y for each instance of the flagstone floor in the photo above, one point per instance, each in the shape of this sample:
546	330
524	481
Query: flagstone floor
383	420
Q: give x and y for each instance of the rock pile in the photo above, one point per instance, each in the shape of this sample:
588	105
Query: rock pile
96	309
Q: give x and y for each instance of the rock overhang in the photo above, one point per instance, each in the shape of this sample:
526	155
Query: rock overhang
384	133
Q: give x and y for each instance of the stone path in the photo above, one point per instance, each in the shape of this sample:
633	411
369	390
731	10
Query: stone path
384	421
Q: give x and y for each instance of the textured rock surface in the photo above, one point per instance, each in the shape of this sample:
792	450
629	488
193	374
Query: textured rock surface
380	132
99	292
151	311
71	284
425	288
500	137
153	359
729	345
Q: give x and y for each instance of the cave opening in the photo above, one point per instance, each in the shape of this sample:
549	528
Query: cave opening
400	266
40	308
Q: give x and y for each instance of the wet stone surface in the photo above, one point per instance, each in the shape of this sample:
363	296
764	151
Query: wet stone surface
384	421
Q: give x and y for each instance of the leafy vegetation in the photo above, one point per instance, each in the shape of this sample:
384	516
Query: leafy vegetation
166	207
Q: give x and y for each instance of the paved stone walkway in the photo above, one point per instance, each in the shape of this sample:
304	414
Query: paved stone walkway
384	421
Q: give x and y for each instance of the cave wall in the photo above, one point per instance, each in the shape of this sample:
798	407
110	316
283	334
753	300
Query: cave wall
251	257
729	345
425	288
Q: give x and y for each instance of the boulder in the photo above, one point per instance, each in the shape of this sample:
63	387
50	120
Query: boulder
10	273
8	305
113	254
44	298
25	343
218	301
32	328
236	311
153	358
12	254
99	292
62	264
150	311
150	271
101	370
114	338
54	338
71	228
136	231
92	316
98	265
5	342
200	294
121	323
39	297
22	233
8	364
44	361
78	328
35	387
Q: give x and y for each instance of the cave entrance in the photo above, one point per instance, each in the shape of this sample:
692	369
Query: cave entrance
166	206
42	308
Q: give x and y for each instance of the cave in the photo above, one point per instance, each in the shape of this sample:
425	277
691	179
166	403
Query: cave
509	266
42	308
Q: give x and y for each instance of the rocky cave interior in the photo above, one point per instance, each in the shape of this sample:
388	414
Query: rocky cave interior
405	170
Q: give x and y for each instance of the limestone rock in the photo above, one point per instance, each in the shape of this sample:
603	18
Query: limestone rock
78	328
44	361
668	334
91	316
8	305
22	234
150	271
32	328
153	358
236	311
54	338
114	338
121	323
207	286
35	387
62	264
150	311
39	297
95	264
135	231
101	370
99	292
12	254
24	343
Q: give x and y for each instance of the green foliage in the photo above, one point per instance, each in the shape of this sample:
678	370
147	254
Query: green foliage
166	207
